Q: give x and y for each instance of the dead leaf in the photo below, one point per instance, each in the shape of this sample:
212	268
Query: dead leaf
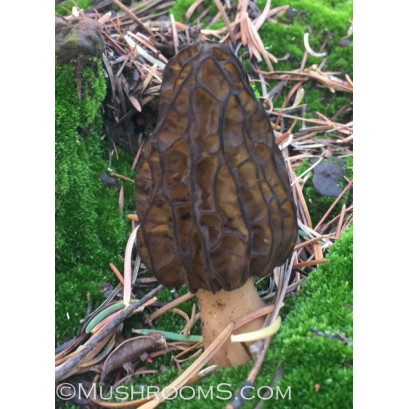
130	351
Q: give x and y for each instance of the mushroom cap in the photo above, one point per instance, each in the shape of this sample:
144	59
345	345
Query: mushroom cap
212	191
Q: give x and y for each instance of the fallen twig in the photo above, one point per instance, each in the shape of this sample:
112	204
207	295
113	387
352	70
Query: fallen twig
66	367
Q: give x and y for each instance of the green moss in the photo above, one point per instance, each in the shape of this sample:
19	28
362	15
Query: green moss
180	8
90	232
281	40
319	204
322	17
308	345
217	25
256	90
322	100
82	4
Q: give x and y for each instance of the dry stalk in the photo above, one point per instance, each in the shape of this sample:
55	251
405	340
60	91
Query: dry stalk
171	305
133	17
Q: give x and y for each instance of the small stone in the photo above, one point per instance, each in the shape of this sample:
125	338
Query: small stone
328	175
82	38
108	180
344	42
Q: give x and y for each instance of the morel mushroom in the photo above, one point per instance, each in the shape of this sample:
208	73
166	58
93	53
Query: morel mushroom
212	191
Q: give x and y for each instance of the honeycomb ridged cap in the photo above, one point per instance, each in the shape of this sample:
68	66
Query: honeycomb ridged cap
212	191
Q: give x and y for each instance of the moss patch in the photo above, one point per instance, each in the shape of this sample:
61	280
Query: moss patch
82	4
323	19
180	8
90	232
317	361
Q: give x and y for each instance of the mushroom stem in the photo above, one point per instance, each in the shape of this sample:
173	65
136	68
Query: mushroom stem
219	310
